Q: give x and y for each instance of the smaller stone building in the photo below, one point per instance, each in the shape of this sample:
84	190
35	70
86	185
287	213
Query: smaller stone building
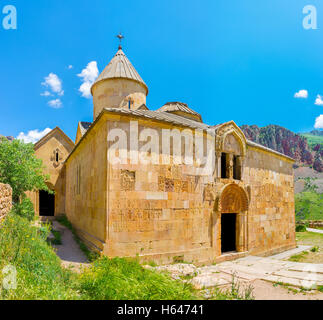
53	149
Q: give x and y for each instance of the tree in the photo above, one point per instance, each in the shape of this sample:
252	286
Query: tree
20	168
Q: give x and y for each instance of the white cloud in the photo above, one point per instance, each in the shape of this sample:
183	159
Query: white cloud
56	104
319	122
70	67
46	94
33	135
88	75
301	94
54	83
85	89
319	101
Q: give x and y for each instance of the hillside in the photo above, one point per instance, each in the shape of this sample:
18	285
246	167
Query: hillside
306	149
314	138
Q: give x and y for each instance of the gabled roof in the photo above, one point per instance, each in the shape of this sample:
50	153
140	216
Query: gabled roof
120	67
84	126
179	107
173	119
50	134
162	116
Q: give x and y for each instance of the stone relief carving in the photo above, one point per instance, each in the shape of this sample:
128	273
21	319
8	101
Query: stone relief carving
237	138
233	199
128	179
56	157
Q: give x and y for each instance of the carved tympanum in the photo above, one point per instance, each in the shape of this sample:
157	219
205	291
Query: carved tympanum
233	199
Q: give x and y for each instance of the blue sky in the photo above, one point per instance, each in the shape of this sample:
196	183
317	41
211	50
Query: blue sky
228	59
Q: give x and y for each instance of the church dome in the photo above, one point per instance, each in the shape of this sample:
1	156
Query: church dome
120	68
181	109
118	86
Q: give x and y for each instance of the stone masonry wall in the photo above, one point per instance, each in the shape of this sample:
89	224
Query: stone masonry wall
168	212
5	200
86	193
158	211
271	214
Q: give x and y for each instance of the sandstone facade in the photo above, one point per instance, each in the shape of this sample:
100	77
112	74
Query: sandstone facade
5	200
164	186
53	149
166	212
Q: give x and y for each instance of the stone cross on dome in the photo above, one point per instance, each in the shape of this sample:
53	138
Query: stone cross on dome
120	37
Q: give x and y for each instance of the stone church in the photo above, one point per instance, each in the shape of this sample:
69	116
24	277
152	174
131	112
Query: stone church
162	184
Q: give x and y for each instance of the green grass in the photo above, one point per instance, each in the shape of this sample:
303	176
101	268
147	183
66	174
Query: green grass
57	237
39	273
298	257
300	228
41	276
315	255
120	278
309	206
312	140
310	238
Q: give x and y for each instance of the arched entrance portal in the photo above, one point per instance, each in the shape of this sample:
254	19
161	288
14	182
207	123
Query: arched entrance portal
232	217
46	204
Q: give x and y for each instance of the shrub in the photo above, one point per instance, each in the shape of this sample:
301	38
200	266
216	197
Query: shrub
300	228
20	168
24	209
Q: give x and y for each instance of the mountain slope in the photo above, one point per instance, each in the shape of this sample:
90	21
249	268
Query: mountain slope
287	142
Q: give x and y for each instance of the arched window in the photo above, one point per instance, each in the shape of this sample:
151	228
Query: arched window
231	164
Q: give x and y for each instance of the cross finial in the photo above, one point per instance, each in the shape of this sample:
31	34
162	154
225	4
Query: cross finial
120	37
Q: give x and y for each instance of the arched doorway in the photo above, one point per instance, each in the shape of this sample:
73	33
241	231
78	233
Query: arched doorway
46	204
232	217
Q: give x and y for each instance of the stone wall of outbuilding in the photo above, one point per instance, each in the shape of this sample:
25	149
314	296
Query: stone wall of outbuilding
5	200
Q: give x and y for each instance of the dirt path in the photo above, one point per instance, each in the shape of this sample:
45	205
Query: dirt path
69	251
314	230
264	290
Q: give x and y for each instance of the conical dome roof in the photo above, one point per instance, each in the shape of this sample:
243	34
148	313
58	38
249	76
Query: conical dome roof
120	67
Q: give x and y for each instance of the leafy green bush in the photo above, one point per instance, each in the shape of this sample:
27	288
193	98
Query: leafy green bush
300	228
24	209
20	168
123	279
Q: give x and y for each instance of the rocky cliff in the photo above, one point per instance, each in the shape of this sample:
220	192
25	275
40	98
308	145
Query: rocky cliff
286	142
